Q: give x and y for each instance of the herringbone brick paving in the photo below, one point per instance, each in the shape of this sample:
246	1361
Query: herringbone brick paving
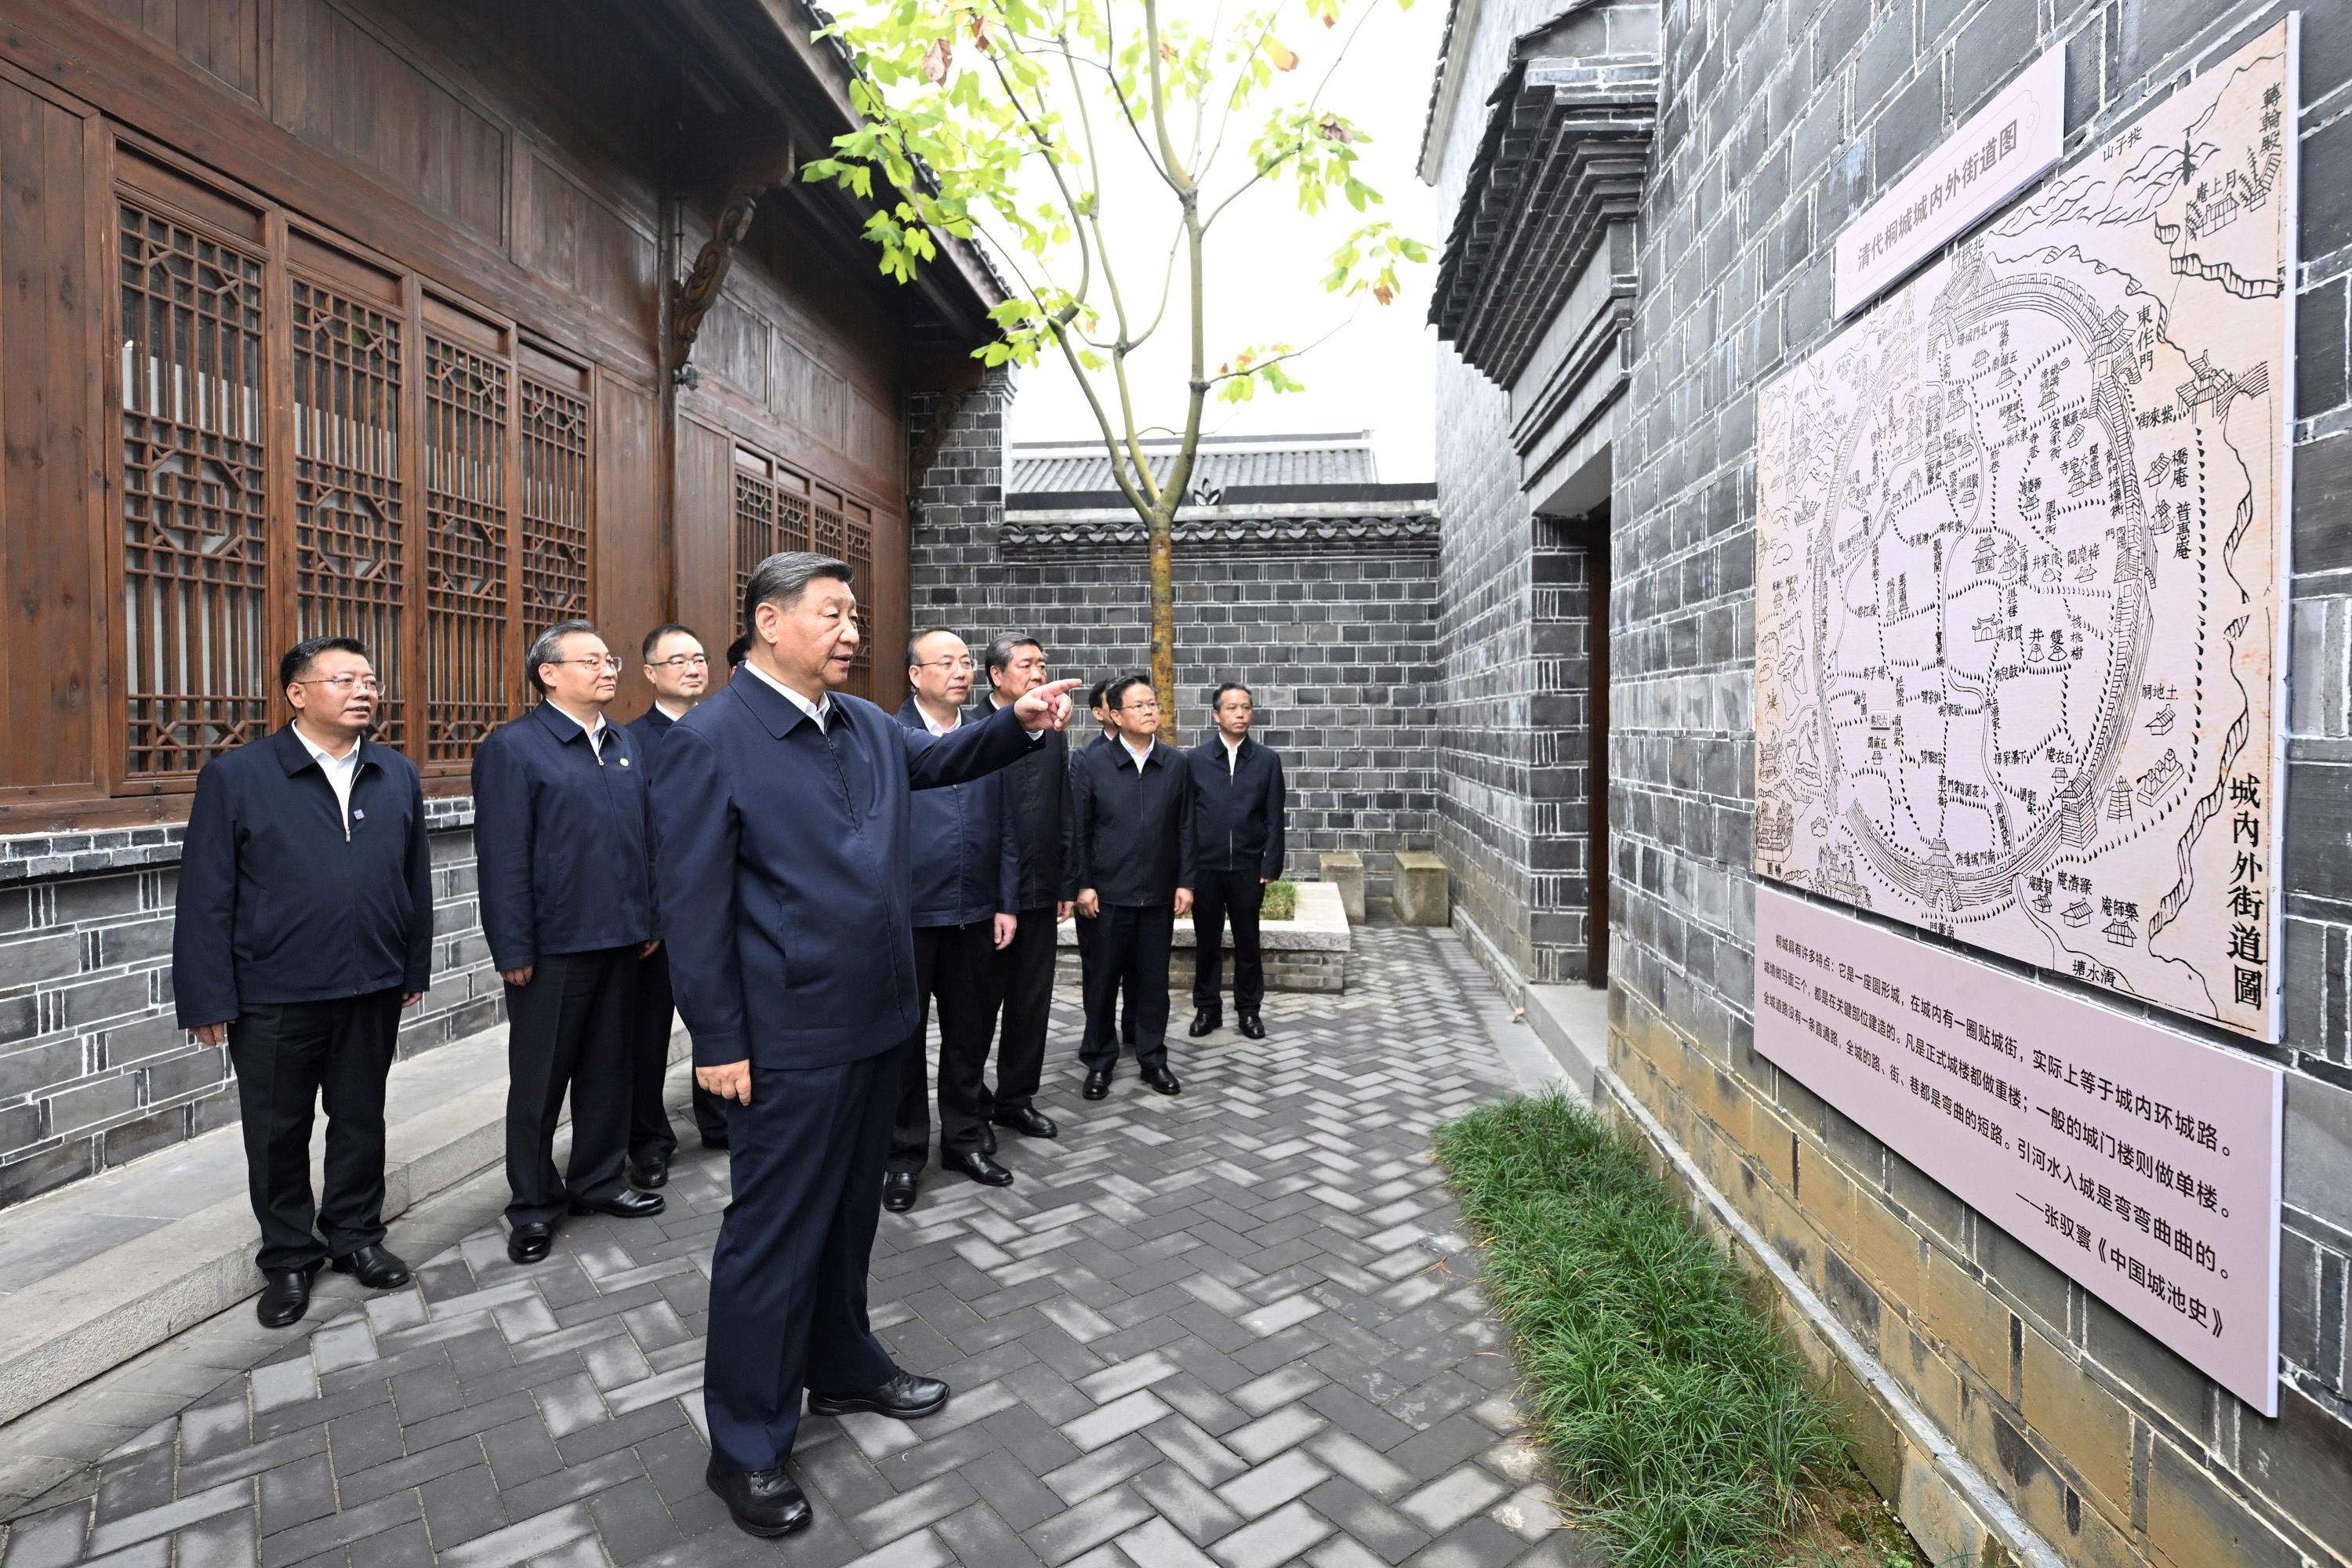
1232	1328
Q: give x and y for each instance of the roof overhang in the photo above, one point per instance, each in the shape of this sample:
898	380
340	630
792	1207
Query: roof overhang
1564	156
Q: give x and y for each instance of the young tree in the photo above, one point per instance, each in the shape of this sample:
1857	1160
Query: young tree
1019	122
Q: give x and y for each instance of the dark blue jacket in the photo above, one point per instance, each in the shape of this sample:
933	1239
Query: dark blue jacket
784	870
1036	791
278	902
1130	828
565	843
965	868
1237	818
648	729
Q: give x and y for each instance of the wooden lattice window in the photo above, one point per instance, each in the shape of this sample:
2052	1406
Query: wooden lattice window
194	518
771	513
858	549
554	505
349	567
467	539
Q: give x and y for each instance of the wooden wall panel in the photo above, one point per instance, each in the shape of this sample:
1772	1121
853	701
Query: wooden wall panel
344	91
704	528
733	345
811	394
51	616
582	245
219	38
630	588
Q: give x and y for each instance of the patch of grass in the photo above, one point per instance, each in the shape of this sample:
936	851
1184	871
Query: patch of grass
1681	1422
1281	902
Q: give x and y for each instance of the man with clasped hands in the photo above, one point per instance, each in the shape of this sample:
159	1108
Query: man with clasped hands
785	886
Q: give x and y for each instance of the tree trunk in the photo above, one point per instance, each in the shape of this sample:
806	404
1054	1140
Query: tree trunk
1161	531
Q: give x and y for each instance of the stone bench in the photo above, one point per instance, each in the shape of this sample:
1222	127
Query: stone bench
1421	888
1344	869
1307	952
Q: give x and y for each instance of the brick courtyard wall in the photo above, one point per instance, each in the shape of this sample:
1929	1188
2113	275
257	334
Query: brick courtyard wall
94	1068
1777	122
1336	639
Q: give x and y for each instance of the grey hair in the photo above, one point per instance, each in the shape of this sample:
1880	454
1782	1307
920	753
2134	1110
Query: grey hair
547	647
1001	647
783	577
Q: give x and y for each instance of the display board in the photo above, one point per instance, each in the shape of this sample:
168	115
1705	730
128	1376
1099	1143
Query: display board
2021	546
2141	1163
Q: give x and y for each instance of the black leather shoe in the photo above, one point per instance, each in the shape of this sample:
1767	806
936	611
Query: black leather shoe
286	1295
374	1268
1204	1021
652	1173
1027	1120
718	1142
1252	1028
979	1167
905	1397
528	1243
897	1190
626	1204
1098	1084
763	1502
1161	1079
988	1139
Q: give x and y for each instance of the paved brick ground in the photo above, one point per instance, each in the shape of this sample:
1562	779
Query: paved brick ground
1233	1327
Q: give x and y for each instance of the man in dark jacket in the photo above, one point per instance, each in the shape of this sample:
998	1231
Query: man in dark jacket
304	924
1037	794
563	838
1098	708
1131	870
1237	808
679	672
786	885
966	884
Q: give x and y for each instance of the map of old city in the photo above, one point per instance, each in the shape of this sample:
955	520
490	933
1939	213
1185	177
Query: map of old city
2019	540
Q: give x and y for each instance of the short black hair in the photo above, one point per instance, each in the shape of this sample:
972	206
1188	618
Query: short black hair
738	650
783	577
1095	697
653	637
1219	699
914	641
1117	695
1003	645
303	654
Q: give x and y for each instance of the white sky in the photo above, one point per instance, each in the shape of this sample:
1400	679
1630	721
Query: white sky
1267	261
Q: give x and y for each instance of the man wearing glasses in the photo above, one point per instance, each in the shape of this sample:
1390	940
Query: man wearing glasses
304	924
564	835
679	672
967	898
1131	872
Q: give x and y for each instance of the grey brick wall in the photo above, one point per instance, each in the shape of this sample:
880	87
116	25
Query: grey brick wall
94	1070
1337	639
1779	120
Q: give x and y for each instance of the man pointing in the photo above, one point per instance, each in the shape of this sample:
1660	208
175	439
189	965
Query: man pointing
784	861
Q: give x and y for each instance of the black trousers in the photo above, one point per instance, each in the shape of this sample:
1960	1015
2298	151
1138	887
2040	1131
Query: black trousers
1130	953
1218	896
788	1273
573	1028
1024	982
650	1137
289	1056
956	964
1089	948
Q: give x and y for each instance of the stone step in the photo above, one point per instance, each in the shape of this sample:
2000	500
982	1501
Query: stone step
99	1271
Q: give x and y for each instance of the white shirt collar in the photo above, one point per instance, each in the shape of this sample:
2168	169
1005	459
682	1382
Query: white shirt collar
934	725
673	718
1232	751
327	758
340	772
1141	757
821	711
595	732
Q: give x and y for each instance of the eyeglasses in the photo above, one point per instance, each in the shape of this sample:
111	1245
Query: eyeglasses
1149	705
345	685
678	661
966	663
609	665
